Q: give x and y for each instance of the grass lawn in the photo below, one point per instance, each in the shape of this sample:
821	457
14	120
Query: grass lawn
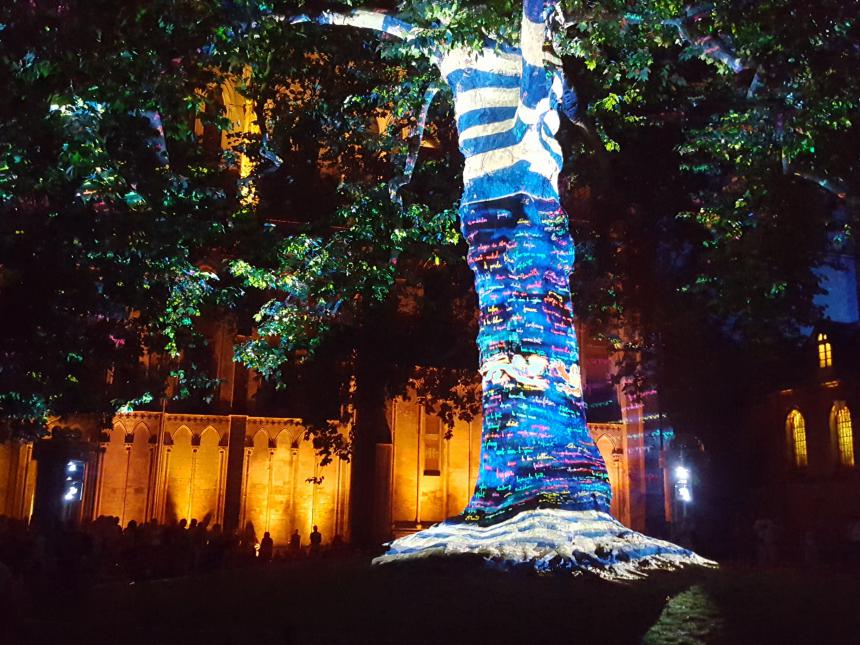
347	601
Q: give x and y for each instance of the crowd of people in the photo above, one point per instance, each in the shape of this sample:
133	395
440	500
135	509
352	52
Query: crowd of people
103	550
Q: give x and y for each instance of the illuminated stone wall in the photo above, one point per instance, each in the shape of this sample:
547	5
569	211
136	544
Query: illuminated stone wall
422	494
428	487
175	466
178	471
17	479
135	475
285	489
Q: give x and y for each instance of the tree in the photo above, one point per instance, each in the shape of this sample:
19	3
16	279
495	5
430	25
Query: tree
716	217
108	205
539	464
707	220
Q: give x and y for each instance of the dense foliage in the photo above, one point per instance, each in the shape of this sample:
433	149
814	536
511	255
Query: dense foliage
712	163
107	203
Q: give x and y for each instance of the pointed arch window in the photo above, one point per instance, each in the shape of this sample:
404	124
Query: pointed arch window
840	420
825	351
796	428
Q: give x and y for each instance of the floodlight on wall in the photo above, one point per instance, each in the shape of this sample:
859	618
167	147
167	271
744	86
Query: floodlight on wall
74	481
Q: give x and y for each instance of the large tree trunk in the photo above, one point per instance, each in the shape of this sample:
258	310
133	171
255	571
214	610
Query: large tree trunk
536	450
542	495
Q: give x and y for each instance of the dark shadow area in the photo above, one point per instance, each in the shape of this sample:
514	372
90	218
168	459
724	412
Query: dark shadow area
345	600
342	599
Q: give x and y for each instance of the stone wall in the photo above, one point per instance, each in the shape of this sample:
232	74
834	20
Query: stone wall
175	468
17	479
428	486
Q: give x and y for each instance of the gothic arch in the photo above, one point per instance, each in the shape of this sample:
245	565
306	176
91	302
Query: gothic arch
179	475
289	436
285	481
258	483
137	480
114	467
206	476
606	446
117	433
179	434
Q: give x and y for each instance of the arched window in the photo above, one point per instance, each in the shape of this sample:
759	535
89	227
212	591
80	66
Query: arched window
825	351
840	424
796	429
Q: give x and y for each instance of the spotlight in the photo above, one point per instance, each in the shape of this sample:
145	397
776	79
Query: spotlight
74	480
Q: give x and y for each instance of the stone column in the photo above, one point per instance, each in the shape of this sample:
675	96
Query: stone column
235	470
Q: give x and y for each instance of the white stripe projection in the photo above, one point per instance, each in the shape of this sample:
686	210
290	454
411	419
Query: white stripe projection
505	102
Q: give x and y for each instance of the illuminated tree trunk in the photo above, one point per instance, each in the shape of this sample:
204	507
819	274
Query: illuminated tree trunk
536	449
542	494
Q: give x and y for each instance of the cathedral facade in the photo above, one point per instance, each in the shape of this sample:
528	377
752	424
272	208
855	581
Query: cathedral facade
245	470
261	473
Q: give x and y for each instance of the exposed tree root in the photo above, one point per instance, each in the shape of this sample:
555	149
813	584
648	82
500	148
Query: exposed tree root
549	540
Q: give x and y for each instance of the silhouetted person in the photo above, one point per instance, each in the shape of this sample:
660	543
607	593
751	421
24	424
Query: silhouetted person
213	550
295	544
248	544
316	541
198	542
267	548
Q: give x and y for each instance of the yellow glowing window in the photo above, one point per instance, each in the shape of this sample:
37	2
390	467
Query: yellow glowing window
825	352
797	435
844	435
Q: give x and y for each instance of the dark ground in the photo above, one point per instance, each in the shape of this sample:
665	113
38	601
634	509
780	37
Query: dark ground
333	601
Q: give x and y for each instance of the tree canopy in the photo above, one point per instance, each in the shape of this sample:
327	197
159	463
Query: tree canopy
710	164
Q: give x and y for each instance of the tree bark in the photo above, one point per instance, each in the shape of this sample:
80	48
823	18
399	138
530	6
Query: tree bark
536	449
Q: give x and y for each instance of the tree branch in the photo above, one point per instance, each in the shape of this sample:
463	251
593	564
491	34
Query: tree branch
398	182
711	46
836	186
360	18
756	82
